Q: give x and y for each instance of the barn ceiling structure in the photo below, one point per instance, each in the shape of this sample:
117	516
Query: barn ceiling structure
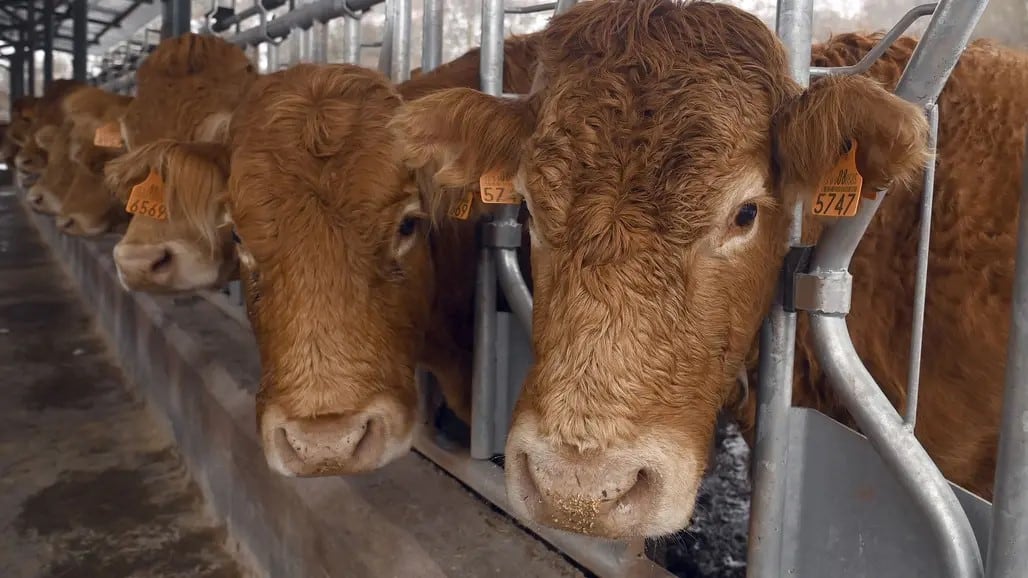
77	27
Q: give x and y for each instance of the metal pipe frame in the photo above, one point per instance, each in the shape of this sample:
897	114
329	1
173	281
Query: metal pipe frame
432	35
930	66
400	69
879	49
794	25
1008	556
531	9
385	53
48	43
303	17
17	75
29	35
80	40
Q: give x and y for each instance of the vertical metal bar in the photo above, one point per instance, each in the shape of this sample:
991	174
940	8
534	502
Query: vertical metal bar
564	5
933	60
1008	553
400	70
319	39
48	42
30	46
432	35
921	280
80	24
777	353
273	61
182	13
17	74
385	53
484	380
351	39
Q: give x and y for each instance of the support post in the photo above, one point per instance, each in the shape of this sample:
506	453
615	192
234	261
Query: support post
432	35
29	35
777	353
176	17
48	43
80	22
351	39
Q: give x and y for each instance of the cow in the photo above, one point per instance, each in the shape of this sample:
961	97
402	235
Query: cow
658	157
52	141
89	208
339	402
186	91
190	237
16	132
31	159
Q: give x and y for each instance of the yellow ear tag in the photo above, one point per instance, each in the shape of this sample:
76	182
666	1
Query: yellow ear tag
497	189
462	209
147	198
838	193
108	136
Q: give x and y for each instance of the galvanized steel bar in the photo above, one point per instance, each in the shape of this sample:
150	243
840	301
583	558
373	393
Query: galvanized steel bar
319	37
400	69
16	75
48	43
80	23
484	378
921	279
777	353
1008	543
29	35
530	9
432	35
930	66
564	5
385	53
351	39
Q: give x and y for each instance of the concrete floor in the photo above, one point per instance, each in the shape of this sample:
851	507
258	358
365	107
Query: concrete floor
91	485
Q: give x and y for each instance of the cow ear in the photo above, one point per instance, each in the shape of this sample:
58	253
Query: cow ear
814	130
213	128
453	137
46	136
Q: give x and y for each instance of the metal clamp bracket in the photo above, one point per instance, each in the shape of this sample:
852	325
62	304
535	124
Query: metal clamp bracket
826	292
797	261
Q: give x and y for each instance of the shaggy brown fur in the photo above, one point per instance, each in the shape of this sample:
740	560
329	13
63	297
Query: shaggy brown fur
636	164
518	61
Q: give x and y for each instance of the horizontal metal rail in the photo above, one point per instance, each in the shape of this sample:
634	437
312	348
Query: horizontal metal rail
530	9
237	18
302	17
879	49
930	66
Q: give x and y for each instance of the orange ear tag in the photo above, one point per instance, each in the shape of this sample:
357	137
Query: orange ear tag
838	193
462	209
497	189
147	198
108	136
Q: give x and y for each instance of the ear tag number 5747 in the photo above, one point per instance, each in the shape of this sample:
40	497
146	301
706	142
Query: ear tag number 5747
838	193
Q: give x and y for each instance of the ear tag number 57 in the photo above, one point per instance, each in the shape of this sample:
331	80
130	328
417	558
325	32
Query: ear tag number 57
838	193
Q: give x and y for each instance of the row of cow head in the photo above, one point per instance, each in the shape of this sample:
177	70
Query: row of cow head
657	154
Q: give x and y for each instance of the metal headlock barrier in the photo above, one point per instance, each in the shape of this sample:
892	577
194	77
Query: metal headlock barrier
808	516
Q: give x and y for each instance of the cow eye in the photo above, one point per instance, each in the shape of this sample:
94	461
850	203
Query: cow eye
746	215
235	237
408	226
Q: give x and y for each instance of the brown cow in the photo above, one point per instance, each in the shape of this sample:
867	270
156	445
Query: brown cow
186	91
31	159
337	393
16	133
658	159
89	208
48	193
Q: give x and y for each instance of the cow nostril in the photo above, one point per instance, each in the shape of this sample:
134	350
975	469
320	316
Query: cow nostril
66	223
163	263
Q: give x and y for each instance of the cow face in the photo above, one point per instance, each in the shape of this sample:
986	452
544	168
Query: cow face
89	208
186	91
658	158
336	266
188	249
48	193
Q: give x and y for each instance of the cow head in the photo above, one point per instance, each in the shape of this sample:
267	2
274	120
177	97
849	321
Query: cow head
89	208
48	193
335	261
658	158
33	116
186	92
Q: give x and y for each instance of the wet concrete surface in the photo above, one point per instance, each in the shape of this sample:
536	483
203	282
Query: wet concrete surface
91	485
